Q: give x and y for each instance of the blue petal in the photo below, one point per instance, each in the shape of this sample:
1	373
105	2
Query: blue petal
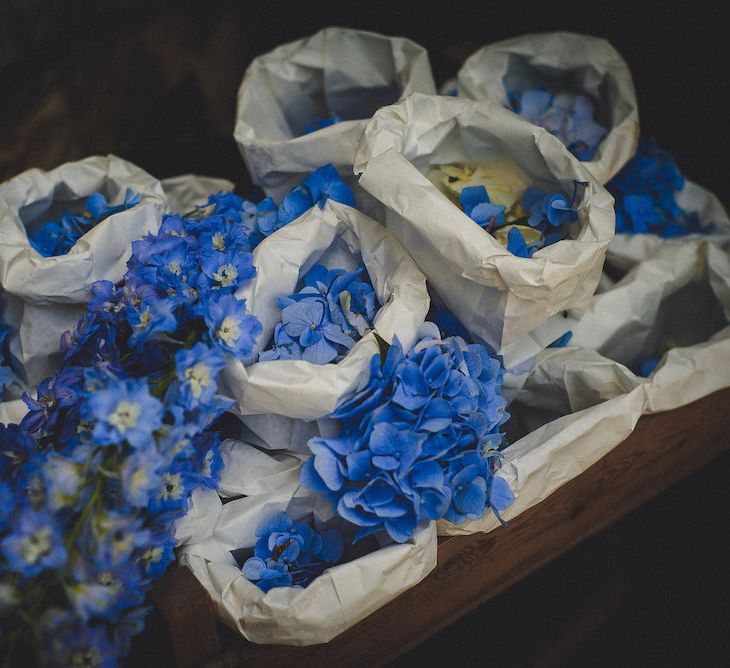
500	496
402	528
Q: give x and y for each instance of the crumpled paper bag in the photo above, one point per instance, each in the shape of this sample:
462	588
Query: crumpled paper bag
582	64
187	191
626	250
499	297
574	408
101	253
679	300
333	602
45	296
579	402
349	72
337	236
12	412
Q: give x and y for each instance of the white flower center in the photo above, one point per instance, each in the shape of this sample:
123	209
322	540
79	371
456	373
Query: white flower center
199	378
226	275
144	319
139	479
172	487
230	330
152	554
219	241
175	267
36	545
125	416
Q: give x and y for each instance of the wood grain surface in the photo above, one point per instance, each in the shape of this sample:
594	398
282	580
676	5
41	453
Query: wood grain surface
663	449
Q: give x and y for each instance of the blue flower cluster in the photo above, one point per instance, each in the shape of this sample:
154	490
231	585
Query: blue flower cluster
569	117
322	123
549	214
645	191
114	443
289	553
57	237
324	320
418	442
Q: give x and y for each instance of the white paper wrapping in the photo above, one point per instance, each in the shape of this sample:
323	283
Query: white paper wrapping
574	408
335	601
349	72
680	295
12	412
45	296
581	63
337	236
187	191
678	299
499	297
628	249
101	253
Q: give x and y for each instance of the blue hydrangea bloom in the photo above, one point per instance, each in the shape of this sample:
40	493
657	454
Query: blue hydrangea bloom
476	204
645	191
569	117
322	321
290	553
413	440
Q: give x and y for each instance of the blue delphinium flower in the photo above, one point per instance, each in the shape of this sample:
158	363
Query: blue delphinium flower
322	321
322	123
34	543
231	326
58	237
290	553
418	442
569	117
124	410
197	372
645	196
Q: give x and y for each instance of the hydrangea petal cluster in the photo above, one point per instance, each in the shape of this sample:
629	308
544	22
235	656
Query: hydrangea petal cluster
289	553
58	237
418	442
645	194
324	320
114	443
569	117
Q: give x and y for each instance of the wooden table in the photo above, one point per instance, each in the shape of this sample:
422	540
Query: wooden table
662	450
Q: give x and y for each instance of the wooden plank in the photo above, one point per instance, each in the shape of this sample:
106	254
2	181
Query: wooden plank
662	450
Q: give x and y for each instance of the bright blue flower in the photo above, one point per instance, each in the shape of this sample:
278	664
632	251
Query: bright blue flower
393	465
153	318
517	245
289	553
197	372
34	544
326	183
285	347
141	476
158	553
307	320
294	205
476	204
230	269
64	478
54	393
124	411
231	326
645	192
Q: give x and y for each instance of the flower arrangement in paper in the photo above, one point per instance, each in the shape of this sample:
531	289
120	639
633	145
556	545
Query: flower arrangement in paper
645	191
321	322
497	197
58	237
418	443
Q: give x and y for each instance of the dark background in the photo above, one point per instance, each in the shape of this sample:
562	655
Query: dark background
156	82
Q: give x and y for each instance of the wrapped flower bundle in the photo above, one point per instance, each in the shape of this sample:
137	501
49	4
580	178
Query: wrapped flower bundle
575	86
363	419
